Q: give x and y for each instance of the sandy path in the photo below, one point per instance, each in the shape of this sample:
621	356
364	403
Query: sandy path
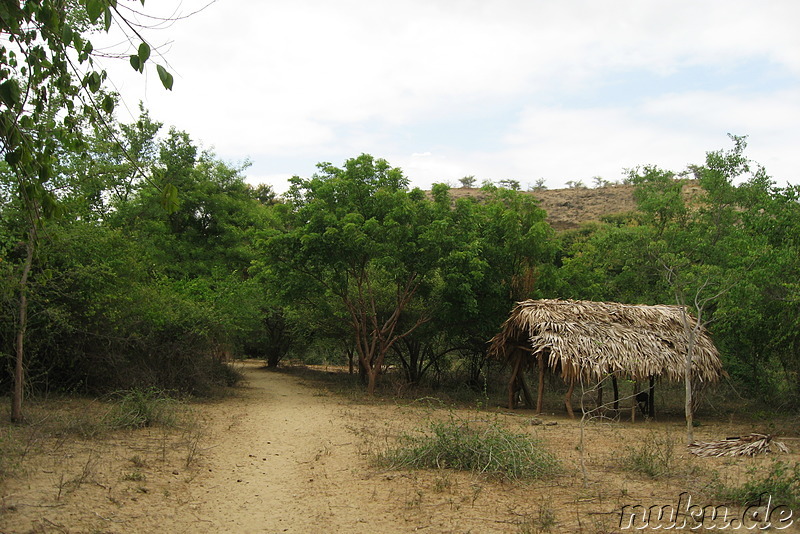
282	456
282	461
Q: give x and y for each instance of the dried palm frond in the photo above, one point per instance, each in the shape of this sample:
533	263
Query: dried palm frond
749	445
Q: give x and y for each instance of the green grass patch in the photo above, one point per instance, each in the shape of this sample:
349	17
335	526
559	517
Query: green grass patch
138	408
781	482
480	447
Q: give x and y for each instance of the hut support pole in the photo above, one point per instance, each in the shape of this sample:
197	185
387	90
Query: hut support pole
526	390
651	398
616	391
512	384
540	391
568	399
600	394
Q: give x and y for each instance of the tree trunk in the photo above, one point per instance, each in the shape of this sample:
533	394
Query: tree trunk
525	390
372	376
22	325
540	393
688	388
350	360
689	407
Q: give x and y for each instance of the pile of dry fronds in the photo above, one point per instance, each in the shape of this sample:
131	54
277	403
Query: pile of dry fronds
749	445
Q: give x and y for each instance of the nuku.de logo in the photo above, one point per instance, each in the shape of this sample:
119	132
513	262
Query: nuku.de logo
691	516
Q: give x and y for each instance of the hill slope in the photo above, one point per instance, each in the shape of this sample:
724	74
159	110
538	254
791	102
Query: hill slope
568	208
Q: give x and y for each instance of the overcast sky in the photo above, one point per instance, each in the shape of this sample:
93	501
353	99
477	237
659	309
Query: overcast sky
518	89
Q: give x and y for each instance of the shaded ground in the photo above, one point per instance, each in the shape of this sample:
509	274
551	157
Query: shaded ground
286	455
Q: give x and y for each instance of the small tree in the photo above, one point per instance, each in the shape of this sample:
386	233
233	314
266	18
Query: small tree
468	181
539	185
575	184
600	182
510	184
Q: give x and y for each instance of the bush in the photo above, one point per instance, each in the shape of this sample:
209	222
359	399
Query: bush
139	408
104	317
483	448
782	483
654	456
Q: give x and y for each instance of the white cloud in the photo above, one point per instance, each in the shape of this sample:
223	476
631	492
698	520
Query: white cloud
313	80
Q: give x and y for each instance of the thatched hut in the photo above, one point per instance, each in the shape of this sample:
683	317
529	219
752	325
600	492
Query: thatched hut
585	341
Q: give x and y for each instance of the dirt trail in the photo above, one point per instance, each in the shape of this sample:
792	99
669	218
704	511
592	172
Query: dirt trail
287	457
281	460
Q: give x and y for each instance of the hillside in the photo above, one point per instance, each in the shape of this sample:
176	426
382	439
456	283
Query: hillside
568	208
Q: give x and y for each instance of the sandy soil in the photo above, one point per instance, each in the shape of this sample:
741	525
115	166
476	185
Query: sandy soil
284	455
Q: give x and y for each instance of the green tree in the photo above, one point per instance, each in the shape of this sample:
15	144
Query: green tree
729	253
356	235
467	181
48	81
499	250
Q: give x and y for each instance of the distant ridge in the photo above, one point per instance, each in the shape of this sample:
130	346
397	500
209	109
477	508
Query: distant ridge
569	208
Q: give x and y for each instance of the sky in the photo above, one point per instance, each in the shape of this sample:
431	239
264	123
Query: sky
525	90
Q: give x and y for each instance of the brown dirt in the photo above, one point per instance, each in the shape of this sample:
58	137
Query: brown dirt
283	454
569	208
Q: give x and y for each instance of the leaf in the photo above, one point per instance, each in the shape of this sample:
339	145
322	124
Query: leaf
45	173
136	64
9	93
166	77
169	198
108	104
107	19
66	34
77	42
92	81
49	203
14	157
144	52
94	8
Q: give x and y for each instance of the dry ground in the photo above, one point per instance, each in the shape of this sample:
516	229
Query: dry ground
567	209
284	454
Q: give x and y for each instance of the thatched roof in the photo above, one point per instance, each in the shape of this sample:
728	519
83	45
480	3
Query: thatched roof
593	339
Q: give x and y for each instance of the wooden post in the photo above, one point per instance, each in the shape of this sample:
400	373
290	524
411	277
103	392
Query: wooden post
616	391
540	393
568	398
600	394
513	382
651	398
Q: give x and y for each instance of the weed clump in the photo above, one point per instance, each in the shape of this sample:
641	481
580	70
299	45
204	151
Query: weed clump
138	408
654	456
483	448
